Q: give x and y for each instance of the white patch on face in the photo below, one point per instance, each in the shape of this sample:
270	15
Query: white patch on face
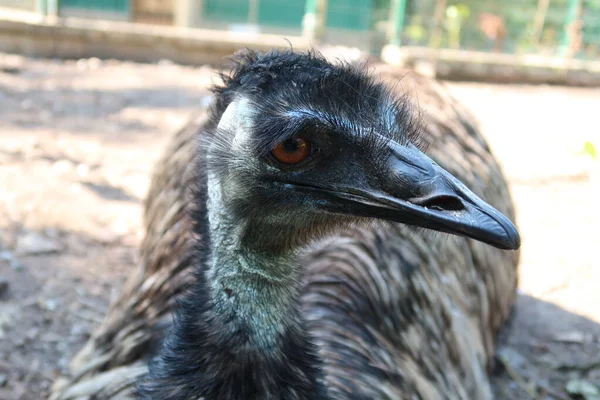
237	120
387	115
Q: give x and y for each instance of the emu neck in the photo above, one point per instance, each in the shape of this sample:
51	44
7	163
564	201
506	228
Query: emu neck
252	290
252	293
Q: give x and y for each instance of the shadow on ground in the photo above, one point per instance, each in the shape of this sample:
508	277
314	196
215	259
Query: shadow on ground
545	347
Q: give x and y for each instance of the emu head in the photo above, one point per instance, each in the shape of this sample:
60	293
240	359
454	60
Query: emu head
300	146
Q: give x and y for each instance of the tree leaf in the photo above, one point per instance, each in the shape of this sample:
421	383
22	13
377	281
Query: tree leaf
590	149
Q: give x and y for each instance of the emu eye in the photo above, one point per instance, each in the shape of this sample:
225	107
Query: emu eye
292	151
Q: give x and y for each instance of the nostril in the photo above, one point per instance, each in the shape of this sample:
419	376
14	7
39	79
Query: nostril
443	203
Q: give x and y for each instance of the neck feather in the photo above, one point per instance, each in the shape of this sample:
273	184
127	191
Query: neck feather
252	292
238	334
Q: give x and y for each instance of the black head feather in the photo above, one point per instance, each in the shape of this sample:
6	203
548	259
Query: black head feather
292	89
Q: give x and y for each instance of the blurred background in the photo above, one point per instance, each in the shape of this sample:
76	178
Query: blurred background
92	90
541	27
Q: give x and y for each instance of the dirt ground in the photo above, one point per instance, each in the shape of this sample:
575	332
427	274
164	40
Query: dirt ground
78	139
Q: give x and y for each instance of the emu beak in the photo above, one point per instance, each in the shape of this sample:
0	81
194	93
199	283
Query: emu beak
414	190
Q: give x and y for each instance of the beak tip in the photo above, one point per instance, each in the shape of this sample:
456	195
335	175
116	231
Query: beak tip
510	240
514	242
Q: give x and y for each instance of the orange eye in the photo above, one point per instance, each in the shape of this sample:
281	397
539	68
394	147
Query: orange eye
292	151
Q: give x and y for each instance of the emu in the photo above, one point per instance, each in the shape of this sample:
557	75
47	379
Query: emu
312	277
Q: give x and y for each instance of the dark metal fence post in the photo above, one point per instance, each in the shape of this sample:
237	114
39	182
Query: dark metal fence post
315	19
572	29
397	18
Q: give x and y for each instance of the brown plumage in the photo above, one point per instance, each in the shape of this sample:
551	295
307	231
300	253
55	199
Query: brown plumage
438	300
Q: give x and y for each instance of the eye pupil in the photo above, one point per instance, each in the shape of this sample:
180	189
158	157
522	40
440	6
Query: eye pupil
292	145
292	151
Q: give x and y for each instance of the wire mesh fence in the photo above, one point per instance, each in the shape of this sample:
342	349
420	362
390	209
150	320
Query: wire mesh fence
543	27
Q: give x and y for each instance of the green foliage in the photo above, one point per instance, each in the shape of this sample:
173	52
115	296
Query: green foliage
456	15
590	150
416	31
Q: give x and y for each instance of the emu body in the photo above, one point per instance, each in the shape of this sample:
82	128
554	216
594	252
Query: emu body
373	310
